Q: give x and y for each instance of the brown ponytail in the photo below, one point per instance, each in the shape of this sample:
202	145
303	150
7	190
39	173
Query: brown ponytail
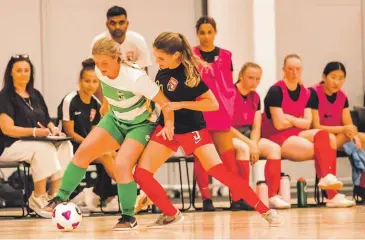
171	43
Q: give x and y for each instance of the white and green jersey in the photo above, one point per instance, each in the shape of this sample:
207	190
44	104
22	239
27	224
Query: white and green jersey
129	95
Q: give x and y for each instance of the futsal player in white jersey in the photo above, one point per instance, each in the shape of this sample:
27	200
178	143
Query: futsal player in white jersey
127	127
133	48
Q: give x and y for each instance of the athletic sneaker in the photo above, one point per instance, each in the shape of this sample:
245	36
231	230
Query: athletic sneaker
339	201
126	223
245	206
235	206
50	196
208	205
142	202
46	211
276	202
92	200
112	204
164	220
273	218
330	181
38	203
79	200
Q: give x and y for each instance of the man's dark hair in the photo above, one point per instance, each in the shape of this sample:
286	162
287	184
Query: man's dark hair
116	11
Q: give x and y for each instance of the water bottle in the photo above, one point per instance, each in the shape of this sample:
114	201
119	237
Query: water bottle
284	190
2	203
262	192
302	193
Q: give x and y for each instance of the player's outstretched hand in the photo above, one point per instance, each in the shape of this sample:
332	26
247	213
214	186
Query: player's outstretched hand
167	131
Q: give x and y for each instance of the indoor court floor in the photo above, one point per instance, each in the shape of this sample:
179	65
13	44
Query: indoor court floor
304	223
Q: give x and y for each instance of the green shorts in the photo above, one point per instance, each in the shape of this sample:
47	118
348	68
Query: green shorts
120	131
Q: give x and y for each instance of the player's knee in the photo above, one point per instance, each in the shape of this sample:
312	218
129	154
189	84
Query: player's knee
274	151
241	148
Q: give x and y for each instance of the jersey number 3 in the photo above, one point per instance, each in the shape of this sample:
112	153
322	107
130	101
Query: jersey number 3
197	137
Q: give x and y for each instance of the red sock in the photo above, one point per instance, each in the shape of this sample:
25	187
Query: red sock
243	167
331	193
324	155
202	178
154	191
239	188
272	176
362	180
229	160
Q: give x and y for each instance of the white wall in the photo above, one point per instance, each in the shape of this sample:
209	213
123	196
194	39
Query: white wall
234	25
20	27
321	31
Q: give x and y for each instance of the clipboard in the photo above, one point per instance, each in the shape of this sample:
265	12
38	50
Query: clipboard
47	139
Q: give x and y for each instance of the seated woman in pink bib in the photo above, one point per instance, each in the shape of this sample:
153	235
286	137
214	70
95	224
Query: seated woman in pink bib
247	139
216	72
287	120
330	106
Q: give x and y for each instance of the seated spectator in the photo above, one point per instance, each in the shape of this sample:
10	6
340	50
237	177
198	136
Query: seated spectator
331	112
24	113
330	107
287	121
79	112
248	143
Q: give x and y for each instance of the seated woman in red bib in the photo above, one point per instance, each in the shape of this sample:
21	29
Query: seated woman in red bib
330	107
180	81
216	71
247	132
286	121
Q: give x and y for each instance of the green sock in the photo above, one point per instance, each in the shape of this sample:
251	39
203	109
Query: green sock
127	193
71	179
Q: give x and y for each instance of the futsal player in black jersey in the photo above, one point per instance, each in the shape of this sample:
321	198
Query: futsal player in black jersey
180	81
79	112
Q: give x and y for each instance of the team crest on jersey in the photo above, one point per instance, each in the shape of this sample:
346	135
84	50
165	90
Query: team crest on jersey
120	95
172	84
92	114
131	56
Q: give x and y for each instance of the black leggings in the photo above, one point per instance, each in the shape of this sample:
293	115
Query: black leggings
104	187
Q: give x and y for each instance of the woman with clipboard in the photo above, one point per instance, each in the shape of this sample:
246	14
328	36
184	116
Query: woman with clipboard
23	115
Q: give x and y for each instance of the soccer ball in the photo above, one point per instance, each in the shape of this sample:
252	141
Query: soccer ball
66	216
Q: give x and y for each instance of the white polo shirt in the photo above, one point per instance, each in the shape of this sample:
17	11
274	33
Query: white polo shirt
133	49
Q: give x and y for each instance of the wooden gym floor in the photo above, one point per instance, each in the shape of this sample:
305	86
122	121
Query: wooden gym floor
309	223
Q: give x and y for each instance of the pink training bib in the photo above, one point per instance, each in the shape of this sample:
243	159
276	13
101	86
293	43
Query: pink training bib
245	109
294	108
330	114
218	77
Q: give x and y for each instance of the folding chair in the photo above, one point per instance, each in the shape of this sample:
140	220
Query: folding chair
24	185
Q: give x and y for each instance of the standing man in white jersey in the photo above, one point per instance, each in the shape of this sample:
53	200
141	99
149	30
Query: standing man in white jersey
133	48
